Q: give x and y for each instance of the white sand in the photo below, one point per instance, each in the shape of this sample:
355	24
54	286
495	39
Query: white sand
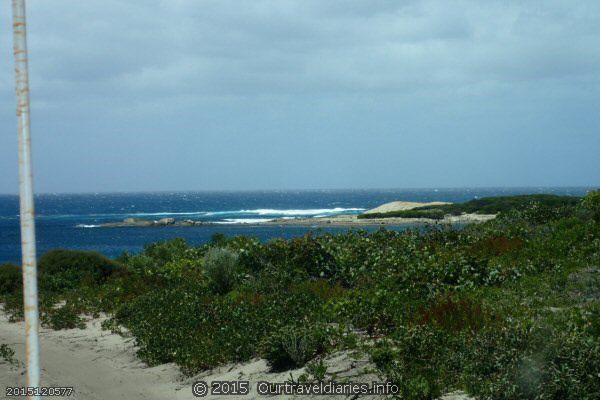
101	365
97	364
401	206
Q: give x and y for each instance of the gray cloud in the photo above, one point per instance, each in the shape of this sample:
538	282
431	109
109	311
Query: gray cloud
269	68
250	47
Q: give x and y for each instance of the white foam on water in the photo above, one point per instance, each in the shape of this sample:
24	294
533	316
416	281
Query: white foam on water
301	212
243	221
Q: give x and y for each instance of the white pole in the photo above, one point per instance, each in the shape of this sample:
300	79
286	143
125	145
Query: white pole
30	294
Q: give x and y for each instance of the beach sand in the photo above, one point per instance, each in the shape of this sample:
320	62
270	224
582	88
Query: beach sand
100	365
97	364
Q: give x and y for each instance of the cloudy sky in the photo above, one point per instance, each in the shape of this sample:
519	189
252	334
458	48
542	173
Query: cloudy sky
277	94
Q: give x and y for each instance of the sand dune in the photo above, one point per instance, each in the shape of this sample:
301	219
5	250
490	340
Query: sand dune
100	365
97	364
402	206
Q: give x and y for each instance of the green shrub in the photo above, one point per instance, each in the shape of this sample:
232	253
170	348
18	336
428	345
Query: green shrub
416	213
13	306
292	347
7	354
62	317
11	279
319	288
316	371
455	315
199	330
417	360
221	269
591	203
62	270
218	239
377	311
163	252
533	362
546	207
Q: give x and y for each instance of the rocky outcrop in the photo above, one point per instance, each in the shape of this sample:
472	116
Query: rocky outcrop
142	223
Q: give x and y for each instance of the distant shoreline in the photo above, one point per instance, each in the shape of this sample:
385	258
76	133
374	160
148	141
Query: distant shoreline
343	220
353	220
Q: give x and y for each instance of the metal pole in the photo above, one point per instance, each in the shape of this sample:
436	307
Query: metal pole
30	293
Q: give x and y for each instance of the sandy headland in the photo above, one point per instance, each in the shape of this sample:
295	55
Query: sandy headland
353	220
346	220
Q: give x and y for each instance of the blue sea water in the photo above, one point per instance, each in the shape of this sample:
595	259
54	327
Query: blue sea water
70	220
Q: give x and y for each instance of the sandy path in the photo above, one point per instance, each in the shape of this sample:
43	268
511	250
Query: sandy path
97	364
103	366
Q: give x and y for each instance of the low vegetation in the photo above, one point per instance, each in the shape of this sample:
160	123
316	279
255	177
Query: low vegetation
10	278
486	205
7	354
507	309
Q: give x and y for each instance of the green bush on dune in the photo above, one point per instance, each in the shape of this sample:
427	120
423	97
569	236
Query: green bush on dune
11	279
60	272
293	347
507	309
487	205
7	354
220	265
591	203
67	269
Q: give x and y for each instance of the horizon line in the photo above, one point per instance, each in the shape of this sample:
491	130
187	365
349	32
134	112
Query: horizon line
307	190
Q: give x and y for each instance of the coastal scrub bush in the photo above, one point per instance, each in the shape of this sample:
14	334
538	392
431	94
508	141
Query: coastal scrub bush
455	315
200	330
62	317
591	203
316	371
416	213
292	346
11	279
418	359
166	251
62	270
7	354
319	288
496	246
13	306
298	258
532	361
374	310
221	266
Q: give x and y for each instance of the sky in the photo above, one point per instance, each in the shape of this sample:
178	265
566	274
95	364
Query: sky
307	94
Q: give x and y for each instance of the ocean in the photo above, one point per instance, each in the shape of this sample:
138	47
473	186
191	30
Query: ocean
71	221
